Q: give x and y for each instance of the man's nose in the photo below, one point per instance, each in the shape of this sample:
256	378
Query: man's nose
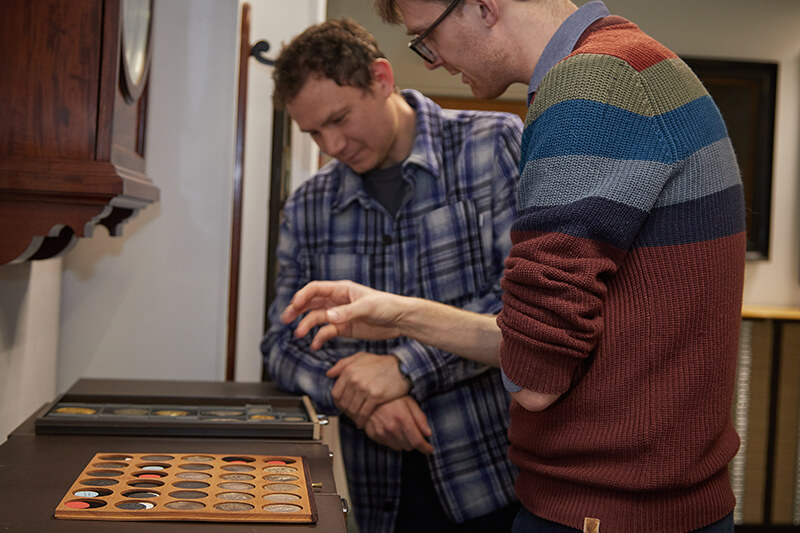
334	143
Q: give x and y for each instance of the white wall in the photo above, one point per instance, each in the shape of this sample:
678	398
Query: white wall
768	30
153	302
29	305
265	25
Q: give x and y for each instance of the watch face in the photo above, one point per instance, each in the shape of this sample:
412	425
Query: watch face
136	16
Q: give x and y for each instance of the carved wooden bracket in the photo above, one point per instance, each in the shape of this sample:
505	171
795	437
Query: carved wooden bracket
71	134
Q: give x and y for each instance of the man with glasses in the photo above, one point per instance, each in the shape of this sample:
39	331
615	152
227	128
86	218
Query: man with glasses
419	201
622	291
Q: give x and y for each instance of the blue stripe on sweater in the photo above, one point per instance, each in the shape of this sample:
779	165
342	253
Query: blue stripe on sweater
606	131
711	217
636	183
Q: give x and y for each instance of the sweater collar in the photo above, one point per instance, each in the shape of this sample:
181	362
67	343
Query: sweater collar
564	40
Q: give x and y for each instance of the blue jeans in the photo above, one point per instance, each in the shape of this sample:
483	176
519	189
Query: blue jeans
528	523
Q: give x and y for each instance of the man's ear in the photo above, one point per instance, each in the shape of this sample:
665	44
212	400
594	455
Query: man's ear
383	76
489	10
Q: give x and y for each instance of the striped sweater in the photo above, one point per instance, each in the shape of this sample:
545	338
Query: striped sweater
623	291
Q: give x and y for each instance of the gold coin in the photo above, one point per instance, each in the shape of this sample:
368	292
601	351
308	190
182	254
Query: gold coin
75	411
171	412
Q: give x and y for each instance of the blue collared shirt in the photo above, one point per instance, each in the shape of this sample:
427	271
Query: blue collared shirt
448	242
564	40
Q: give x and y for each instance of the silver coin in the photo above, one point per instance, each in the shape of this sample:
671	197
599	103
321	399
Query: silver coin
184	506
281	477
193	475
236	486
280	469
281	497
282	508
237	477
279	487
231	506
235	496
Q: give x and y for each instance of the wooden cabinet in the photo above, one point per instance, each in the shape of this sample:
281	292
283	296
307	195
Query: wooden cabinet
72	122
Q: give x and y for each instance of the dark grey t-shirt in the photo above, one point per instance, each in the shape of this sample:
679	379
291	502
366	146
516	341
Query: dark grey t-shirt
387	186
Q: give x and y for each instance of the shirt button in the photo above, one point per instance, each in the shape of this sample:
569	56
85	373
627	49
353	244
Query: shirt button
387	240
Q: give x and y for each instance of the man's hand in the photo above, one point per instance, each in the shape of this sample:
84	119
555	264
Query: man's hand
363	382
347	309
400	425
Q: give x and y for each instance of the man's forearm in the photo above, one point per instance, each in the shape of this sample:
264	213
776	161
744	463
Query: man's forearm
470	335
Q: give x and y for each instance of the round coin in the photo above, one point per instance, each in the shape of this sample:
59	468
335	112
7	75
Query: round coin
191	485
282	508
234	506
184	506
236	486
188	494
238	468
222	413
196	466
280	487
237	477
193	475
281	497
157	458
75	411
281	477
135	506
235	496
280	469
99	482
171	412
197	458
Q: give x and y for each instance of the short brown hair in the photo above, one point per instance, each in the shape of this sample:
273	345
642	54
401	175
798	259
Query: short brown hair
341	50
389	12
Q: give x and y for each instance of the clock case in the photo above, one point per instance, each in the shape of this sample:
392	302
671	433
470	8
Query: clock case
72	138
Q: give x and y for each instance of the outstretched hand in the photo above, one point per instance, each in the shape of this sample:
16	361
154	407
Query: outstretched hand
346	309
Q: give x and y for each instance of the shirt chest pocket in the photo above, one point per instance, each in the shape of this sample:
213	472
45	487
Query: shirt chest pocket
454	256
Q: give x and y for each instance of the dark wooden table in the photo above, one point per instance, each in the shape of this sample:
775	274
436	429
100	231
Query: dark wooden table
37	470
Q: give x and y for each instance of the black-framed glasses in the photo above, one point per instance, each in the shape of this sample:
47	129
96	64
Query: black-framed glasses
419	47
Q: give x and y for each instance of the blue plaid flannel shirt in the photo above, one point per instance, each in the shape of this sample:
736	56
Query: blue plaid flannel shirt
447	243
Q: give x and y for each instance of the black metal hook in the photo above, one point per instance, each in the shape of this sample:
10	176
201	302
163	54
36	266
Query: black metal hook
259	48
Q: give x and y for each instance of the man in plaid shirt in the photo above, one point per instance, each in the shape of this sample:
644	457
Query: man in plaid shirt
419	201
